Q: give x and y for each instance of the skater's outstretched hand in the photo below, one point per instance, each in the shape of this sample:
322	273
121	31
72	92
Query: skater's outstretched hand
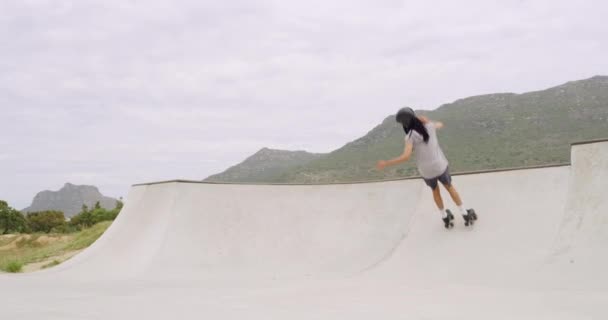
407	152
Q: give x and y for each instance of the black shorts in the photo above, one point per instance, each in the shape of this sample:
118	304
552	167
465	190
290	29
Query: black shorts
444	178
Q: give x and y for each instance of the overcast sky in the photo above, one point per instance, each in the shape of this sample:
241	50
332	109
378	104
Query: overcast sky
116	92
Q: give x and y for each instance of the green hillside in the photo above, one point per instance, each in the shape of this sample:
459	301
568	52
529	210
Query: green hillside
482	132
264	165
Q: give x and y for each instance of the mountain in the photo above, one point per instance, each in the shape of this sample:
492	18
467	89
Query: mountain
69	200
490	131
264	165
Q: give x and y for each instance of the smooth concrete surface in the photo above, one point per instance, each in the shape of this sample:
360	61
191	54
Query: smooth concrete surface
344	251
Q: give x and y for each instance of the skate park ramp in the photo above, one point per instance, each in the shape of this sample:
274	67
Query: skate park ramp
191	250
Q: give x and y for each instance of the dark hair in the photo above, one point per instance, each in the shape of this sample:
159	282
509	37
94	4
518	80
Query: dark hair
419	127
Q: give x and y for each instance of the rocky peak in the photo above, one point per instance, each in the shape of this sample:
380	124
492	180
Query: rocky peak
69	199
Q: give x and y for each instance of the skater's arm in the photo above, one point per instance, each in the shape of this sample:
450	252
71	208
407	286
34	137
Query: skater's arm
425	120
407	152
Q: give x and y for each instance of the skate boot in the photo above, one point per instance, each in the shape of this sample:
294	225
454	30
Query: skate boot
470	217
448	221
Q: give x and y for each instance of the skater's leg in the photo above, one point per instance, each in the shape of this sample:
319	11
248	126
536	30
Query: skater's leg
454	194
446	180
437	198
432	183
456	198
446	215
464	212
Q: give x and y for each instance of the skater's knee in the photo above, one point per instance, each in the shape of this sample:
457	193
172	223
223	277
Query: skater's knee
449	187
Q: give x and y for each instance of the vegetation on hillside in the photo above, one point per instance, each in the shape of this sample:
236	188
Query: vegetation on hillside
11	220
483	132
69	200
17	251
264	165
39	236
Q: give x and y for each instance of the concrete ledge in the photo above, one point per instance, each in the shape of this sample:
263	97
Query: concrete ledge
589	142
353	182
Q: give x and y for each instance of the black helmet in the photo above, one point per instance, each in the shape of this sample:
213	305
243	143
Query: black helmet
405	116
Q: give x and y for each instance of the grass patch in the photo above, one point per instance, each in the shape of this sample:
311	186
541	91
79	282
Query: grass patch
86	237
51	264
30	251
12	266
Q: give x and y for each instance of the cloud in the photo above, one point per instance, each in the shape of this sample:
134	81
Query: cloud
115	92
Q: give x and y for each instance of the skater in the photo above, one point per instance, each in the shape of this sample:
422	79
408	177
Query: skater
421	139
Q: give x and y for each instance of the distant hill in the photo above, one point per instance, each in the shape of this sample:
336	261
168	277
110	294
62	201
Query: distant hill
264	165
490	131
69	200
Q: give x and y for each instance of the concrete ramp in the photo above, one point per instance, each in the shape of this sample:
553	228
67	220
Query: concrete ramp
193	250
519	214
582	241
202	231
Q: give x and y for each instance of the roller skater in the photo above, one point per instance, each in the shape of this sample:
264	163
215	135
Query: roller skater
421	140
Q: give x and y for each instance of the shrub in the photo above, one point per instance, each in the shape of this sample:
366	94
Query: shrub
65	228
87	218
11	220
83	219
45	221
13	266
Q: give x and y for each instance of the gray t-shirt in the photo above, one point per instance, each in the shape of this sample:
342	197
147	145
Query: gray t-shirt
430	159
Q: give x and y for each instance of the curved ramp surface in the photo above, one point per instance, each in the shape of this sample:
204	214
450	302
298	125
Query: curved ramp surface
355	251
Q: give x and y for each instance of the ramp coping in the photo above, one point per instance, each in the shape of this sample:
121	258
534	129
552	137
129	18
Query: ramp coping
350	182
